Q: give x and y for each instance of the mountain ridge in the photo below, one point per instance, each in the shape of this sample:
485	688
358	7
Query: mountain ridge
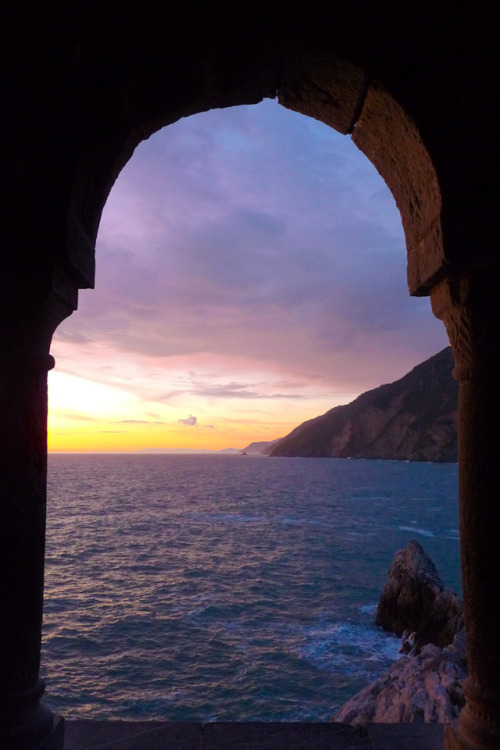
413	418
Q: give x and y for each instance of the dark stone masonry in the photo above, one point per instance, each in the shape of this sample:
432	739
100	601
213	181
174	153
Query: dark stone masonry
414	84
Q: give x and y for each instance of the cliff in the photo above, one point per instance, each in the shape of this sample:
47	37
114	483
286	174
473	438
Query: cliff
414	418
263	447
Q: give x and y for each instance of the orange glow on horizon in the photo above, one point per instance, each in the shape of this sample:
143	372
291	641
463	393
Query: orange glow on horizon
86	416
72	437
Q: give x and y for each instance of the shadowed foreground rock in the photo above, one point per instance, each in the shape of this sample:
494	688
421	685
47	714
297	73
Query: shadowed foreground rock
426	684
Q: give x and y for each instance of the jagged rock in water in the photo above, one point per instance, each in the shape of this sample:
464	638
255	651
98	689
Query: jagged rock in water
425	685
415	599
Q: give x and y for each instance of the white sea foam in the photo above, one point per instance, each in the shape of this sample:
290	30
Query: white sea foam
342	647
415	530
368	609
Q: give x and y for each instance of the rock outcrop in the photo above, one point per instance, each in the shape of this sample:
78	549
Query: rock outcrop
426	684
414	599
424	687
413	419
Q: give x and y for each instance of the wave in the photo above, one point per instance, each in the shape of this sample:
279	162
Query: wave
342	647
416	530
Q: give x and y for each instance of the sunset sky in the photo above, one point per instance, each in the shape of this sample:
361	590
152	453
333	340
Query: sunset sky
251	274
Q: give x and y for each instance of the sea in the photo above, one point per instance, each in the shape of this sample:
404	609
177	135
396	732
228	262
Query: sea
228	587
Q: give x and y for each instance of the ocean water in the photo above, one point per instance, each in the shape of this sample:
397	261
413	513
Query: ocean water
198	588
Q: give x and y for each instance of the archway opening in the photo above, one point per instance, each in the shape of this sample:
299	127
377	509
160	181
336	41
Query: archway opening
258	262
227	232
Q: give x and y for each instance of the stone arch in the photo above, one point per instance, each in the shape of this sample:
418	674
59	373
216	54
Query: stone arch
414	82
342	96
338	93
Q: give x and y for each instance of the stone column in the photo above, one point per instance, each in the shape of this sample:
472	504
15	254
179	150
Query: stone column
469	305
25	334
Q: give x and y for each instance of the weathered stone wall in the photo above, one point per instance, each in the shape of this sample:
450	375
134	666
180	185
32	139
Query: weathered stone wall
83	83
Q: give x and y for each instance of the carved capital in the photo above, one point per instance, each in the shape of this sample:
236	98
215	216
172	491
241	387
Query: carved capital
468	305
32	363
478	726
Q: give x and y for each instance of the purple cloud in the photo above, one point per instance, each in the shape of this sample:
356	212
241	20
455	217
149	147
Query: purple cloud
241	390
189	421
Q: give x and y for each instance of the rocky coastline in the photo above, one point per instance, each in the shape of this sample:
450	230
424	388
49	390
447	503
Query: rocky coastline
425	684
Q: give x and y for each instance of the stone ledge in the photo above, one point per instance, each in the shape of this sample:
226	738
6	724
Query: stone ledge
406	736
283	736
153	735
132	735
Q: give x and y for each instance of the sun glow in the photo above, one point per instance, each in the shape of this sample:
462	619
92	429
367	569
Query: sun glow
87	416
